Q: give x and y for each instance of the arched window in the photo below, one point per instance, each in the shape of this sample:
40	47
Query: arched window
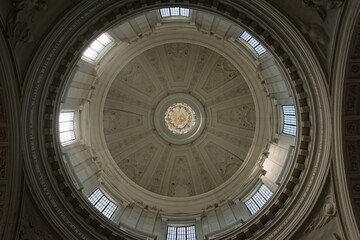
67	126
181	233
258	200
289	114
102	203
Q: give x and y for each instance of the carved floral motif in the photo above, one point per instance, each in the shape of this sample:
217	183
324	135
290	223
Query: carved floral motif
180	118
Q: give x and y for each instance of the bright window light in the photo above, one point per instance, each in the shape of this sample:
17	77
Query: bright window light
96	47
260	49
289	114
102	203
259	199
174	12
66	126
181	233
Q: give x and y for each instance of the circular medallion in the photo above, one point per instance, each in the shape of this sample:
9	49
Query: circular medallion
179	118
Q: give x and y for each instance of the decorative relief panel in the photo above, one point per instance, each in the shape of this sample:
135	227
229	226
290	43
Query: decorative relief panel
154	61
2	194
352	127
352	99
226	163
3	162
135	165
223	71
21	17
158	175
238	91
127	141
181	183
233	139
117	120
32	224
355	187
134	76
205	176
3	134
121	97
203	57
242	116
354	70
178	55
2	111
352	153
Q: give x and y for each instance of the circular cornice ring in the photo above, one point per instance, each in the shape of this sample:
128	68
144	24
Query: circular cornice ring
61	50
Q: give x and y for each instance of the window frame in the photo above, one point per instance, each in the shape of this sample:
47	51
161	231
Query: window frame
74	129
99	205
170	16
99	53
254	203
174	235
289	126
253	43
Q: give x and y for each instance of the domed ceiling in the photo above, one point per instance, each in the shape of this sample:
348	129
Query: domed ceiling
179	120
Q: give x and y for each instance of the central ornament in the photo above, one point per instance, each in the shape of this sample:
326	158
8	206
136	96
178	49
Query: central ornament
180	118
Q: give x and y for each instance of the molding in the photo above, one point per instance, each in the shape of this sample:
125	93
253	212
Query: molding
349	25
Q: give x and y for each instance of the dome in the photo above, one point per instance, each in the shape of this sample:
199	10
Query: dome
179	120
147	120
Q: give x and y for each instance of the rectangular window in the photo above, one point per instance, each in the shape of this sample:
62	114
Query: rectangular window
96	47
174	12
67	126
181	233
259	199
102	203
260	49
289	115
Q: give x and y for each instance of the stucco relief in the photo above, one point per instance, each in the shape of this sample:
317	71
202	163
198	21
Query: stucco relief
116	120
135	76
204	174
225	162
202	58
32	225
3	162
241	90
181	183
121	97
20	19
178	55
322	6
2	111
136	164
154	60
327	212
352	98
158	175
244	143
127	141
241	116
223	71
3	134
